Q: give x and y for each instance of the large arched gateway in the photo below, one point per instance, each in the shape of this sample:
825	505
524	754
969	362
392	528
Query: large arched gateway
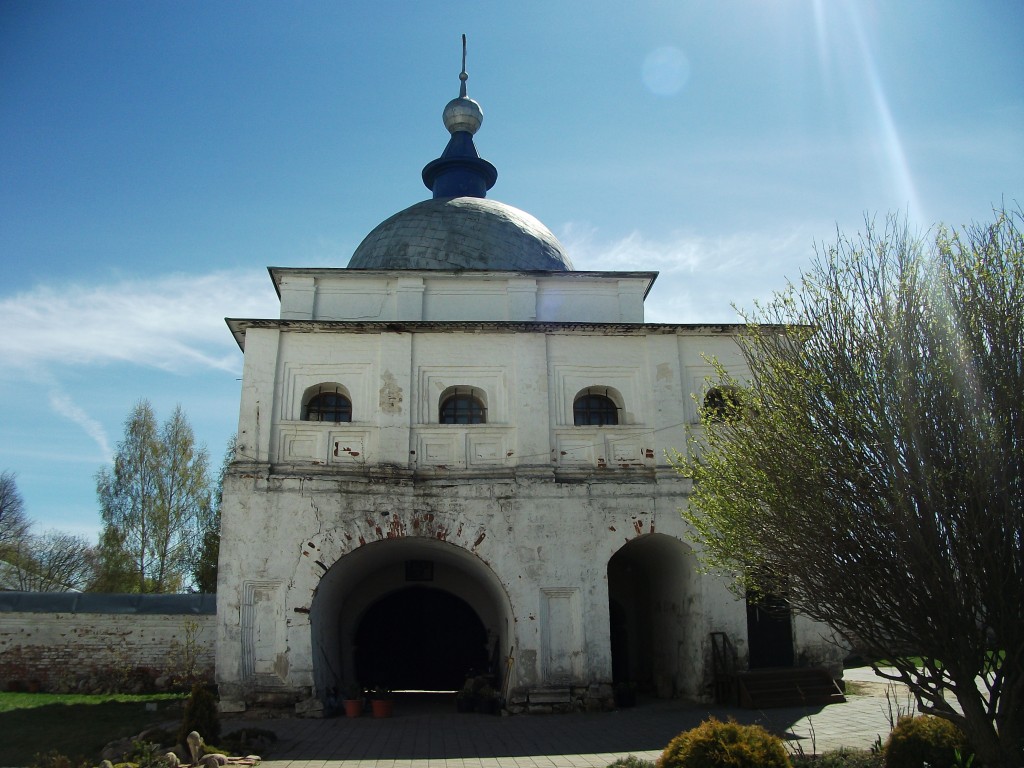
407	613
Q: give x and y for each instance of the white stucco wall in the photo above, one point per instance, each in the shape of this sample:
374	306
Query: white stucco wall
521	515
433	295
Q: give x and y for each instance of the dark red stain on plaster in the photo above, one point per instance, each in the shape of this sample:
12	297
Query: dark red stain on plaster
396	528
481	537
611	528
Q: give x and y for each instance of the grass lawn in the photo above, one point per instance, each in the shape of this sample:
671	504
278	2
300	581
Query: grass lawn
76	725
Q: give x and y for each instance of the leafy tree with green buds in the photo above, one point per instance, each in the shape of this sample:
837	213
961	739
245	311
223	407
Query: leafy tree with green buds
869	470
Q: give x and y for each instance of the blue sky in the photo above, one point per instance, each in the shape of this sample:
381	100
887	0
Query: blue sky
156	156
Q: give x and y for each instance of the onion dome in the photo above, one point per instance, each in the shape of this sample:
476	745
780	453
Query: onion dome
459	228
461	233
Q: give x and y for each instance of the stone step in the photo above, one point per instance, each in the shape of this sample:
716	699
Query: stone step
770	688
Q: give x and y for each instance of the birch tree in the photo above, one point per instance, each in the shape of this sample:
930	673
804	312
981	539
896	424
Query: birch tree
153	505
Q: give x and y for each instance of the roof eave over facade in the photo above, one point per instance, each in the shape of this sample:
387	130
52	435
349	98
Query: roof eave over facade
277	274
239	326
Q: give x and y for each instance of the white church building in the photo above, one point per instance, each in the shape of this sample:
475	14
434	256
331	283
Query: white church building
452	461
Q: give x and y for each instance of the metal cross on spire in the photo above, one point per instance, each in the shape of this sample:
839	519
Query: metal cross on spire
462	75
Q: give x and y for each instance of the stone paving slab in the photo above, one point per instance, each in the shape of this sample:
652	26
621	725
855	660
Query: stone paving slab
429	735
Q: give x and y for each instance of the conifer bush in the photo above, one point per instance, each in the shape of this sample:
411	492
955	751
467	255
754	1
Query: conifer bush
714	744
924	740
201	716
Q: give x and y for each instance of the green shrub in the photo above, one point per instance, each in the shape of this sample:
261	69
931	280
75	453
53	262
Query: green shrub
840	758
924	740
200	715
632	761
146	754
714	744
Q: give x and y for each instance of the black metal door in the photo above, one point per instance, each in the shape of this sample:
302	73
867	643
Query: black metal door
769	632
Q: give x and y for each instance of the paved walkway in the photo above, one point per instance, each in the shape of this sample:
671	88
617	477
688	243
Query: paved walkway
424	734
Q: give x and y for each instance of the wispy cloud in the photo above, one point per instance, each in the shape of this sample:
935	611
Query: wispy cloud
700	277
62	404
171	322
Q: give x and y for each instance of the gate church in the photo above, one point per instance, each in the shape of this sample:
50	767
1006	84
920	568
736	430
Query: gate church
451	461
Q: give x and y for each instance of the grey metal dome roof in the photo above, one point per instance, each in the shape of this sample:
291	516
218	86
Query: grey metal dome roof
461	233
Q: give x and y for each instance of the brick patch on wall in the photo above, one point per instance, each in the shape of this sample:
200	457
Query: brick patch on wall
97	652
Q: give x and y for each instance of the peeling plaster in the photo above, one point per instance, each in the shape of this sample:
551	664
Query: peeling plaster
390	394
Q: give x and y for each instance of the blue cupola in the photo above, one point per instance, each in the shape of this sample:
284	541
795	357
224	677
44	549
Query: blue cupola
460	171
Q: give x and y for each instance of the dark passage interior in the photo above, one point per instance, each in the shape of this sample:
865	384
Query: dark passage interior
420	639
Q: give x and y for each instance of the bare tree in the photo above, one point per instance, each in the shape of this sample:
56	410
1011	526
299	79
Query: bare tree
54	561
871	468
14	523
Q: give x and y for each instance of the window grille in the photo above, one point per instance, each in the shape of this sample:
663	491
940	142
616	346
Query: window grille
722	403
462	407
592	409
328	406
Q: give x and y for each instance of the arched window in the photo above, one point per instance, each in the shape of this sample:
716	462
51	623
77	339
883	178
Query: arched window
722	403
462	405
327	405
594	408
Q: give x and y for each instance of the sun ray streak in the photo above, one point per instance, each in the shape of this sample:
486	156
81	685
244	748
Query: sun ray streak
896	159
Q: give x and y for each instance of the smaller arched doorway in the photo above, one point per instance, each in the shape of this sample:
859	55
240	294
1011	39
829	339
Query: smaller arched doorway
418	638
650	607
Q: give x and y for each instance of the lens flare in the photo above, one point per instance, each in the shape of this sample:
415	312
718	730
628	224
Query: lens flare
665	71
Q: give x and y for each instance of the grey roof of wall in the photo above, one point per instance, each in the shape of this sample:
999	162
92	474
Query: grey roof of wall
95	602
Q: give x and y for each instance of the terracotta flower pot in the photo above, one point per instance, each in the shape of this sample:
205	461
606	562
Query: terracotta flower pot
353	707
382	707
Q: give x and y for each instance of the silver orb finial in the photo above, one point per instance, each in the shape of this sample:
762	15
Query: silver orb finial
463	113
